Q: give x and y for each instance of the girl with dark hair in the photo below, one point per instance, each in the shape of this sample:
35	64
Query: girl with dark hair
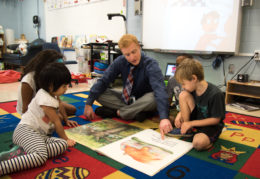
29	84
33	133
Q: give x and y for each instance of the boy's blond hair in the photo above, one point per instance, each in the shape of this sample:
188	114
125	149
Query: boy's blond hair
187	68
126	40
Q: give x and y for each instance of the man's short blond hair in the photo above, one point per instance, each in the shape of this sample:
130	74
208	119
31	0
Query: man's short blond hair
126	40
187	68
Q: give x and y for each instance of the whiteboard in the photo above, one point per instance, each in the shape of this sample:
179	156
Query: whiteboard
192	25
89	18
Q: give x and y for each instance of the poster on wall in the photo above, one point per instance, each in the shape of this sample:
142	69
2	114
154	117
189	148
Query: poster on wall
58	4
83	17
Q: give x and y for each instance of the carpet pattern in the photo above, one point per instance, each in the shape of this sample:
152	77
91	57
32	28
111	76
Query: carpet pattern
235	155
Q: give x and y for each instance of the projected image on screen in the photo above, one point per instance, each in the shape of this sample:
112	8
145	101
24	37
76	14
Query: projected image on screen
197	25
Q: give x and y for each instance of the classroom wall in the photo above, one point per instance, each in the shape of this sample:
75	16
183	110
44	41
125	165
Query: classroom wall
249	41
85	19
18	15
29	8
20	19
9	15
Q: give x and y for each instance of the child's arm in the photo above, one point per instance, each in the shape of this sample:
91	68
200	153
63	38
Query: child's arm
185	126
54	118
64	115
27	95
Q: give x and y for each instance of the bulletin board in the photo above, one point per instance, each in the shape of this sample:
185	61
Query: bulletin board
84	17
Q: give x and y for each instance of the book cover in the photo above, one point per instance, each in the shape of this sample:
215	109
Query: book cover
146	152
78	41
100	133
69	41
62	41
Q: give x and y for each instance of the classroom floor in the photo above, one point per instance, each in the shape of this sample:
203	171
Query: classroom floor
8	92
241	134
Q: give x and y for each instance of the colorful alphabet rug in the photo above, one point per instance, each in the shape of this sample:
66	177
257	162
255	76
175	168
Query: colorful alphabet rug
236	154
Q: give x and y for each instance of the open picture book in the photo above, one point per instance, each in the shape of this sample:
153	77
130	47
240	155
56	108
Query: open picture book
143	150
146	152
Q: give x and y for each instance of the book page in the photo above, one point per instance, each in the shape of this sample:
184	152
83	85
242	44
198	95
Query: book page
146	152
100	133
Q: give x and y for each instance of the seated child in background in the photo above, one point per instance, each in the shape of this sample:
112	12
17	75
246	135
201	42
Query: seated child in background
173	87
29	85
202	105
39	121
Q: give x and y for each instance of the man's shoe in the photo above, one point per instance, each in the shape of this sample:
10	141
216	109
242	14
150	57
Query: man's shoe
176	132
106	112
141	116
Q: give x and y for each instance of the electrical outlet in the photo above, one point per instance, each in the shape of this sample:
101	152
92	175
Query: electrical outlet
257	55
138	7
247	3
231	68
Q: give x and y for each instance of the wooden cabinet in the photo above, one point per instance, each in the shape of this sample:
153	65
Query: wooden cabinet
246	90
2	45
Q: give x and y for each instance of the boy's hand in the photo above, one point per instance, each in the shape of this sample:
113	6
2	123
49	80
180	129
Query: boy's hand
185	126
71	142
71	123
177	122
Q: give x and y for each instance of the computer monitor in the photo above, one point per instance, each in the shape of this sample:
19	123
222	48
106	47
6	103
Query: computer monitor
170	70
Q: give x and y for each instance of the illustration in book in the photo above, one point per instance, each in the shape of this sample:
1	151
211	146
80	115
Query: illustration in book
146	152
101	133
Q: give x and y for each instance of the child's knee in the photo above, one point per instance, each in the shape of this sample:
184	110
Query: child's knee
184	95
198	145
201	141
71	110
41	157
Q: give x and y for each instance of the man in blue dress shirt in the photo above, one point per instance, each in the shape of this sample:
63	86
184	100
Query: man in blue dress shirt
148	92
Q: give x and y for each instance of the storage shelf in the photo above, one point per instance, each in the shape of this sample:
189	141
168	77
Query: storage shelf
109	47
247	89
245	95
2	47
251	83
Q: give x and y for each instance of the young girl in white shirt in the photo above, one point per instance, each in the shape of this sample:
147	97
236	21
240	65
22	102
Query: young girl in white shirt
39	121
29	86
